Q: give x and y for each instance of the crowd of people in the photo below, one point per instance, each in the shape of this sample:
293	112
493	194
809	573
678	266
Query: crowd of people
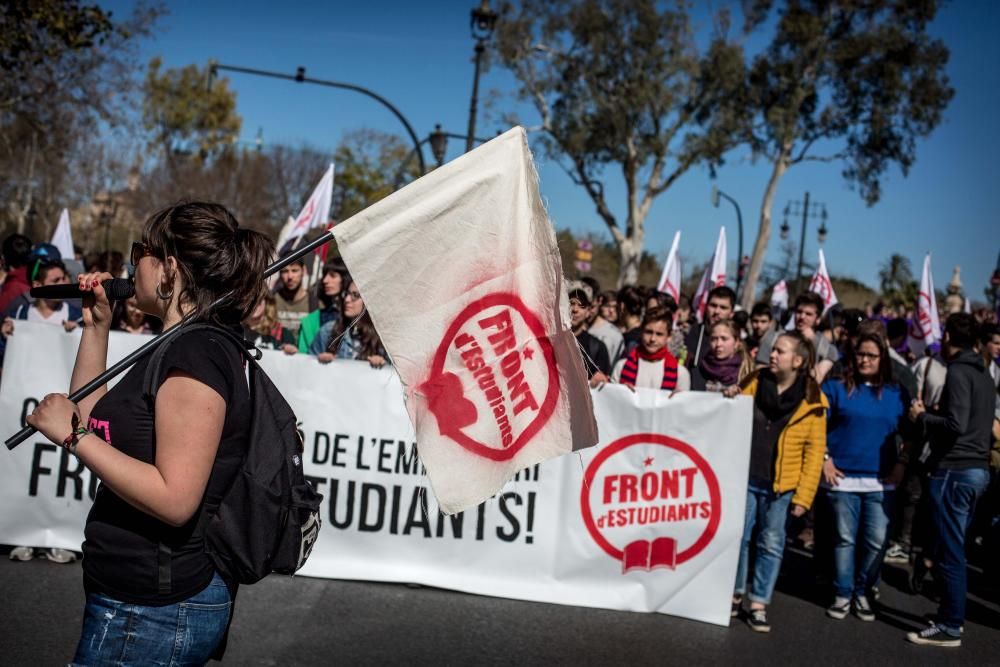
871	454
876	454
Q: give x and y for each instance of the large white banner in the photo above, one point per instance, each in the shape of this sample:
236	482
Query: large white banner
648	520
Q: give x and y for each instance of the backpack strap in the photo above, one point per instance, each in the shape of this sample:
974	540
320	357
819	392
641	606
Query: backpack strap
149	389
149	381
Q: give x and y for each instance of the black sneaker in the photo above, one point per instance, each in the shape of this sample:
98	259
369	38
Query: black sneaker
934	635
862	609
757	620
839	608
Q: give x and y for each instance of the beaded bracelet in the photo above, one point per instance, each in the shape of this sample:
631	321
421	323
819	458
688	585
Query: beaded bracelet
70	442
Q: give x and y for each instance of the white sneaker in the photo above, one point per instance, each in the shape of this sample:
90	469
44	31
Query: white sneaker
22	553
60	555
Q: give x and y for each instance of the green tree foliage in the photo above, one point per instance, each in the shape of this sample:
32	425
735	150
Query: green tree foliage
851	81
621	87
68	70
896	281
185	114
369	166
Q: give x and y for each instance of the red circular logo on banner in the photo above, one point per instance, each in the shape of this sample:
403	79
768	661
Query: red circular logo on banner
493	382
649	500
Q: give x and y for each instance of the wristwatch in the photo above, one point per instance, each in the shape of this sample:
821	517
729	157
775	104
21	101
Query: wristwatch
826	456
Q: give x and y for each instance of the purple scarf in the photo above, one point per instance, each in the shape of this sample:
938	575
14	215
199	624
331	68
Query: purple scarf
724	371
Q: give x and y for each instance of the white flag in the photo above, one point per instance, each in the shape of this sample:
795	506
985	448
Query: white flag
316	212
670	279
62	238
714	276
779	295
925	329
478	331
821	284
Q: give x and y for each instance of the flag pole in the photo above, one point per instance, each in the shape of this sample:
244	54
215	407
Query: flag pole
138	354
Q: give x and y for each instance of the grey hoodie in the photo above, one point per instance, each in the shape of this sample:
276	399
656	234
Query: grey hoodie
961	434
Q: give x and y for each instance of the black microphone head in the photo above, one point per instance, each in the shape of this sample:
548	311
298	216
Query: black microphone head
119	288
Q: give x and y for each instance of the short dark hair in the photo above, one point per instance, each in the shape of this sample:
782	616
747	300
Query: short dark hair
722	292
580	295
659	315
16	250
761	309
853	317
595	287
663	300
741	318
962	330
631	300
45	266
809	299
988	330
896	328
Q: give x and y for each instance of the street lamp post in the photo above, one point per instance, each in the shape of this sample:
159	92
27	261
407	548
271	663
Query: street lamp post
107	208
438	139
300	77
483	22
716	195
808	210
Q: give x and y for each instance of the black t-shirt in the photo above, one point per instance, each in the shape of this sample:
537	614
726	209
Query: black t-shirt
125	549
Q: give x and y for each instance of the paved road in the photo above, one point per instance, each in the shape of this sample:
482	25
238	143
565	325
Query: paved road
303	621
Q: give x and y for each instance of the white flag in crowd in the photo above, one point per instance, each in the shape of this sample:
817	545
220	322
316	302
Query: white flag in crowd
316	212
925	329
779	295
821	284
62	238
670	279
714	276
492	375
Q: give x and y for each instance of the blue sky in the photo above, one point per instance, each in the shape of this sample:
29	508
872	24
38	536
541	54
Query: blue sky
419	56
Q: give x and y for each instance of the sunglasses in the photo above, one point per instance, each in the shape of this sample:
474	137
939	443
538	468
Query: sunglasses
140	250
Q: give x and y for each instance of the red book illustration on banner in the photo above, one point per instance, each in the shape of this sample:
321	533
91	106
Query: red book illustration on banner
647	555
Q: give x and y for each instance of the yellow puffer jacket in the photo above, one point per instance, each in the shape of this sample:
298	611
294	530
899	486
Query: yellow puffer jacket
798	463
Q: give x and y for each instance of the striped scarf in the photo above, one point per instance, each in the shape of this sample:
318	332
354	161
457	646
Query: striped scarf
631	369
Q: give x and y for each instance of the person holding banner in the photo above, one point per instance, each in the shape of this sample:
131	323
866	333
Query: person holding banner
721	304
786	459
650	365
352	336
864	463
153	593
727	361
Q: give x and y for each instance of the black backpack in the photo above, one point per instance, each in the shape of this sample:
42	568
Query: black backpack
268	519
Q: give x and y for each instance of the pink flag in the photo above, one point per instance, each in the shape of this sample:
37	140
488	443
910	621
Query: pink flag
714	276
670	279
925	329
461	274
821	284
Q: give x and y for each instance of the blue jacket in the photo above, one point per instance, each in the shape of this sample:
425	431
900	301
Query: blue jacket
863	428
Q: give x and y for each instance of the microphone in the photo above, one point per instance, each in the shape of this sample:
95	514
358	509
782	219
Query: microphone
116	289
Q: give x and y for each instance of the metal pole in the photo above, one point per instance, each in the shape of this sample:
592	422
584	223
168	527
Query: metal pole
333	84
125	363
802	244
471	136
739	223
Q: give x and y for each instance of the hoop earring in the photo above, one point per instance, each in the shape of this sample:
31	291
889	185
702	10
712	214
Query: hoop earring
162	296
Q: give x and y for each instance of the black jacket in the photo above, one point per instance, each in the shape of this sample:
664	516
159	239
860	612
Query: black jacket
595	354
961	434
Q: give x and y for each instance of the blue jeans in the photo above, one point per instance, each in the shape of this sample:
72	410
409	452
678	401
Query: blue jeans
186	633
953	500
864	518
768	512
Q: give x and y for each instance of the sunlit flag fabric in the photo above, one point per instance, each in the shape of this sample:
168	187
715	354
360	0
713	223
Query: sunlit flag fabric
779	295
925	329
821	284
714	276
461	274
670	279
316	212
62	238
